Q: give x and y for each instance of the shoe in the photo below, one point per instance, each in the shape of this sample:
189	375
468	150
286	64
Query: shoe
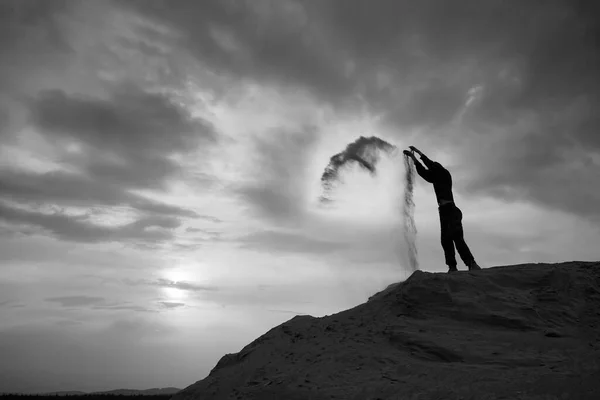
452	269
474	266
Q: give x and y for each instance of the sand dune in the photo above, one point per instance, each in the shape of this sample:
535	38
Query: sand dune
527	331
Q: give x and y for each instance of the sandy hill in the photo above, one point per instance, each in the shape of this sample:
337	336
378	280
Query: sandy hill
527	331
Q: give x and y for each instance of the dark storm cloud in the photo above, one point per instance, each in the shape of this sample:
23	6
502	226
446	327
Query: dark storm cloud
125	142
422	45
30	31
416	63
431	106
79	229
77	190
270	40
549	154
129	136
537	63
32	41
435	52
74	301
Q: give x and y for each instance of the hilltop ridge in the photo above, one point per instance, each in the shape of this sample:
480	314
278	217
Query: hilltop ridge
529	331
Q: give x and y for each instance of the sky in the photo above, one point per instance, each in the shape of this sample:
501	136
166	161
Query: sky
160	164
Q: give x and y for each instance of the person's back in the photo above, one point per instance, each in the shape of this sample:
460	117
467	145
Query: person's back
440	177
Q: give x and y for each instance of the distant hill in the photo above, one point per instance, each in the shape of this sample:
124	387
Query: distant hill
528	332
146	392
120	392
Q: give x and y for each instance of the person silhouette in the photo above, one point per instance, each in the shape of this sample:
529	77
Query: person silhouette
450	215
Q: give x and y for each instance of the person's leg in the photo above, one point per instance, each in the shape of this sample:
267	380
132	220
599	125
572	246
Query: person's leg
459	240
446	239
464	252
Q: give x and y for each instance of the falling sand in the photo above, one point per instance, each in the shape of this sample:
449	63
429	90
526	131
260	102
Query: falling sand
408	213
366	153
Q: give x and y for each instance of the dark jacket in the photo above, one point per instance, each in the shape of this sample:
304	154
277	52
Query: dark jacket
440	177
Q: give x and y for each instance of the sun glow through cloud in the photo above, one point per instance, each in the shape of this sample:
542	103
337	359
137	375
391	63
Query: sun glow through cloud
177	275
173	293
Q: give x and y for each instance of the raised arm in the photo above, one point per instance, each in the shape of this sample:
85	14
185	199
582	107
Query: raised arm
425	173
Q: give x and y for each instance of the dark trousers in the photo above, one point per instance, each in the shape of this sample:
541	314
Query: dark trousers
452	235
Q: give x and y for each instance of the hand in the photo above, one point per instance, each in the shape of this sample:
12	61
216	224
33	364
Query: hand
409	154
413	148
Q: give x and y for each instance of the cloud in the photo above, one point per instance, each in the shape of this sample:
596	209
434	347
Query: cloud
312	44
535	66
75	301
30	31
124	307
210	218
431	105
111	145
97	303
417	65
126	138
165	283
205	235
171	305
200	230
69	189
540	160
273	41
78	229
277	193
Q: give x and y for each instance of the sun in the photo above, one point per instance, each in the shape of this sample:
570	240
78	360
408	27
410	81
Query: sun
173	293
176	275
173	277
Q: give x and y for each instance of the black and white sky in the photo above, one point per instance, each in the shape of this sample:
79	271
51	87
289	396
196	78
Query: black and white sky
160	165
